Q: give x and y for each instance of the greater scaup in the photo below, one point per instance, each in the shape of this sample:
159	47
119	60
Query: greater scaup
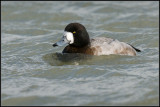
77	38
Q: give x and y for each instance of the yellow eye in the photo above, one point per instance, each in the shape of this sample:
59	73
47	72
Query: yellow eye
74	32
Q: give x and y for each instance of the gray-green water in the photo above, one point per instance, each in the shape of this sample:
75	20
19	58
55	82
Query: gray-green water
35	73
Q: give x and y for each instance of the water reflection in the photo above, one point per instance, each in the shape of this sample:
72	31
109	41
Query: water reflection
58	59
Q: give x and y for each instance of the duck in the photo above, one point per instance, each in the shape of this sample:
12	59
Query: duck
77	39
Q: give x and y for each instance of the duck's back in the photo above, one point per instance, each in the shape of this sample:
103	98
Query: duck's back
107	46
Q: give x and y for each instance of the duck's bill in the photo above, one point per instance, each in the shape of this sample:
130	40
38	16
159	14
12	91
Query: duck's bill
62	42
66	39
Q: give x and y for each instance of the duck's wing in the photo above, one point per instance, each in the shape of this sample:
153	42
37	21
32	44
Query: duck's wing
109	46
100	40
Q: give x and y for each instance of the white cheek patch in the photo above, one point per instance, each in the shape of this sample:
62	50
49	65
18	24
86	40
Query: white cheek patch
69	37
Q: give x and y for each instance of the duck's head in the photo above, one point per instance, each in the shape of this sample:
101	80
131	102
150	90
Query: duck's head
75	34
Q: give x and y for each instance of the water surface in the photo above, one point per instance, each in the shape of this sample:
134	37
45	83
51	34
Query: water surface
35	73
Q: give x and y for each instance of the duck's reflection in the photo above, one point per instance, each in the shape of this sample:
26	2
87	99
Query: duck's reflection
56	59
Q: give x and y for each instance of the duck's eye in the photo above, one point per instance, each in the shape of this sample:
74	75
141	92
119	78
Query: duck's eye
74	32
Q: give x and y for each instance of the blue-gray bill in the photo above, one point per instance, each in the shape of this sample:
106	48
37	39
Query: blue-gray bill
62	42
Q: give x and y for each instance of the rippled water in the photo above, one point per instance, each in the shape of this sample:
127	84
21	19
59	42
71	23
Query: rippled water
35	73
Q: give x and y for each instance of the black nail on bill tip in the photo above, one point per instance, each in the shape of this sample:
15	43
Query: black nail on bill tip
54	45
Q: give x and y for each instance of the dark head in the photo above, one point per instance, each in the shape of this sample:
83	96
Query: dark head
75	34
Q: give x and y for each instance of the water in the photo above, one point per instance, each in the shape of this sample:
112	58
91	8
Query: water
35	73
